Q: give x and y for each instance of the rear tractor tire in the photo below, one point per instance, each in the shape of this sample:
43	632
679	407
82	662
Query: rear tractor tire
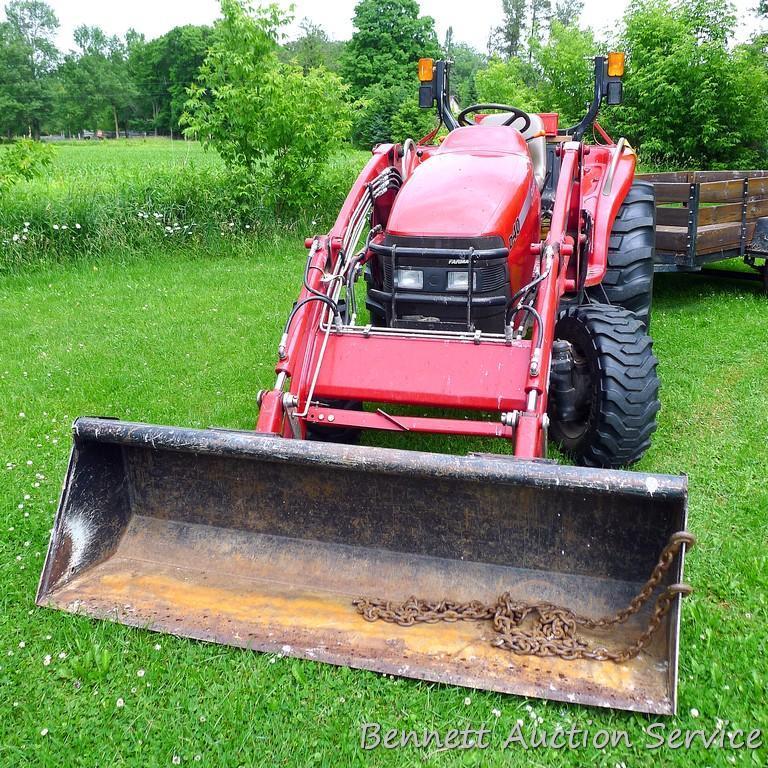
603	387
628	281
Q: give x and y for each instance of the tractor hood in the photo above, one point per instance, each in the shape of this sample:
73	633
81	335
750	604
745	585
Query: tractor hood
476	184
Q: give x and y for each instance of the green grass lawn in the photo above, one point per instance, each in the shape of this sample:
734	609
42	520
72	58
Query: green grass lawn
187	336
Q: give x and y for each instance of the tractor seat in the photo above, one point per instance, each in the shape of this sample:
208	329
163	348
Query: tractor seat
534	136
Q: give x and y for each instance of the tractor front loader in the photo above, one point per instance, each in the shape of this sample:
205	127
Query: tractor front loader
507	272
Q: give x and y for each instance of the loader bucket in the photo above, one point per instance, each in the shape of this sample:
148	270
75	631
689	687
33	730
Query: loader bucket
262	542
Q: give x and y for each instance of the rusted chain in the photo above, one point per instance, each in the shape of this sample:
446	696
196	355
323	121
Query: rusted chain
551	629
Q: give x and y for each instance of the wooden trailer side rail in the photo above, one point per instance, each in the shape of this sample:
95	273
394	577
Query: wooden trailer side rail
707	216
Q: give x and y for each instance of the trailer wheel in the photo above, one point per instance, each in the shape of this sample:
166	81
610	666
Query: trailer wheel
628	281
349	435
612	392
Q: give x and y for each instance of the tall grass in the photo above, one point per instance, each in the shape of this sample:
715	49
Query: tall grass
112	200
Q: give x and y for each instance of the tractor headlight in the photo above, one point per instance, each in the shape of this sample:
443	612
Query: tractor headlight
459	281
411	279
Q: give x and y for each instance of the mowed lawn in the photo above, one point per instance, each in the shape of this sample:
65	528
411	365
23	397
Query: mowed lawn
187	337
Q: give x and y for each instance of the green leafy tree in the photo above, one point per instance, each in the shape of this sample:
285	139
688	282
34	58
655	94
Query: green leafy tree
273	125
568	12
541	15
688	100
15	77
313	48
379	63
162	69
504	82
507	40
96	84
410	121
565	67
24	159
389	38
467	62
27	59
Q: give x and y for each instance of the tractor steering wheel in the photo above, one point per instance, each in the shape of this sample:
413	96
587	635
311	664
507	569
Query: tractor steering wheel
516	113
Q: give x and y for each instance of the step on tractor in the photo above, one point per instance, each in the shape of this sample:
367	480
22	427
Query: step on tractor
491	280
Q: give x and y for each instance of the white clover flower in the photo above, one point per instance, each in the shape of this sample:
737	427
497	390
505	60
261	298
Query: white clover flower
694	712
176	760
496	712
140	673
56	226
22	644
157	646
44	732
77	226
47	660
467	701
15	238
63	655
120	703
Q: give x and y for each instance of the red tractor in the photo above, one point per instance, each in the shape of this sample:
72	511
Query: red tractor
509	270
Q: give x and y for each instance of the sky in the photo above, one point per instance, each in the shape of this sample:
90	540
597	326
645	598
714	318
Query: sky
471	19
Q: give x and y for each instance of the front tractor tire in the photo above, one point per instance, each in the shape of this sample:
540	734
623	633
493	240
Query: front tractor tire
604	388
628	281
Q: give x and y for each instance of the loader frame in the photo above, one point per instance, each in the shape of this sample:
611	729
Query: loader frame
324	360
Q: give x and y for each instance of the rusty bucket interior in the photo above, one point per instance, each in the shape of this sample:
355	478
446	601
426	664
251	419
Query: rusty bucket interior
254	541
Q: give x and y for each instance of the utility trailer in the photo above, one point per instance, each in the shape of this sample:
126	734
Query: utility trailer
703	217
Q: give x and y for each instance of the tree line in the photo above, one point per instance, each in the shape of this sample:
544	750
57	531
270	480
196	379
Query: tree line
692	97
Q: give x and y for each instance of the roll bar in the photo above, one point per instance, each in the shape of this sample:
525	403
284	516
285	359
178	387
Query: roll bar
436	93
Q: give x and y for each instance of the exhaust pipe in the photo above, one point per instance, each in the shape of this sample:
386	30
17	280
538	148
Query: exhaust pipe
267	543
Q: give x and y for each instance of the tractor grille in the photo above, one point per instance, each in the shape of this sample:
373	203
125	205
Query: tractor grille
491	278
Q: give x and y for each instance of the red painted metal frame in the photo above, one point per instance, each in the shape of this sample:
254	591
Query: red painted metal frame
382	420
434	373
489	375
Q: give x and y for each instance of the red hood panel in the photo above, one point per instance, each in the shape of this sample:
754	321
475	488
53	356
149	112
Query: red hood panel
474	185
